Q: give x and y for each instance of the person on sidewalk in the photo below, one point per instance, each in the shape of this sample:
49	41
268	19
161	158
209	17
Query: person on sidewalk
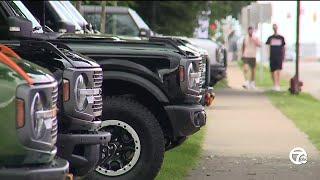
249	50
277	53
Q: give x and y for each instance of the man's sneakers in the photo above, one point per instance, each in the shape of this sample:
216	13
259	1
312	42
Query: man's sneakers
249	85
246	85
253	85
276	88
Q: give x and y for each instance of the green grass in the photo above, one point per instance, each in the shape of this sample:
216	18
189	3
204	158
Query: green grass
223	83
179	161
301	109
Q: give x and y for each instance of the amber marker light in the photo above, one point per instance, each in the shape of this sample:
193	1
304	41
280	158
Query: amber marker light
66	90
181	73
20	113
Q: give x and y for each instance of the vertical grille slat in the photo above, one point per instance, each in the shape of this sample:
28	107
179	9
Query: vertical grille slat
97	84
202	70
54	130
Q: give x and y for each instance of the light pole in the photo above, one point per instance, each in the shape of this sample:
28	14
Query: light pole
295	84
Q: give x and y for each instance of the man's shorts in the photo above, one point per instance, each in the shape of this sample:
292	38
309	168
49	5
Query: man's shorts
250	61
275	64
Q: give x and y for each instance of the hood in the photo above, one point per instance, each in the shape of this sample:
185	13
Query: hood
37	73
78	60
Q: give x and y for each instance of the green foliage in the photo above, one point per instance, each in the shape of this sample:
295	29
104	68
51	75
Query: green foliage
170	17
177	17
221	9
174	166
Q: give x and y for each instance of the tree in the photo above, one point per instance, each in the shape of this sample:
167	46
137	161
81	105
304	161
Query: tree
170	17
103	17
221	9
178	17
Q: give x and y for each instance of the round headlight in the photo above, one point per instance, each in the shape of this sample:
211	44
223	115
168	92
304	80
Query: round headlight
37	122
193	77
81	98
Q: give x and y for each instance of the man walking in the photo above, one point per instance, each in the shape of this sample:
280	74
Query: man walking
277	53
249	50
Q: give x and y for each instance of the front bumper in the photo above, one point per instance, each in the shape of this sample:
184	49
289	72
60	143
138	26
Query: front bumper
185	119
81	150
217	72
57	170
74	123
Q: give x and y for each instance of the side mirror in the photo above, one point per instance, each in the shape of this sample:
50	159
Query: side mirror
144	32
63	27
16	27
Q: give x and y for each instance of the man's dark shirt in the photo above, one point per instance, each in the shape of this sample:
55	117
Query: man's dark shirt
276	43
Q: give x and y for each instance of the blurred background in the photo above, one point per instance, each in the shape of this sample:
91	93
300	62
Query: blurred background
225	22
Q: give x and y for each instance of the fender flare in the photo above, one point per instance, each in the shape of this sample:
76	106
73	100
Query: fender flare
135	79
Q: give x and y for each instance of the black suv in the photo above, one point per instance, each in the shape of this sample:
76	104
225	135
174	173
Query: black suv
79	88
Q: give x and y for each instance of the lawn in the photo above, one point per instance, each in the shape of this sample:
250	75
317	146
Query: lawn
179	161
223	83
301	109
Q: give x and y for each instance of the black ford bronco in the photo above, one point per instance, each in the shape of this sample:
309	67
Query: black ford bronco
79	80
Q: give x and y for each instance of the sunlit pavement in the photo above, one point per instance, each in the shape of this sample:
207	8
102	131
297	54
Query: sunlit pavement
248	138
309	74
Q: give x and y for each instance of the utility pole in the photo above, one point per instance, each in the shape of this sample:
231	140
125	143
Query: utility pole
295	83
103	17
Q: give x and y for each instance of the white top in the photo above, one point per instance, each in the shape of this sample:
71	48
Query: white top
250	48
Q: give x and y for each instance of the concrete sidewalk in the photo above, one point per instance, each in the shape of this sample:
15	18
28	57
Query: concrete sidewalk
248	138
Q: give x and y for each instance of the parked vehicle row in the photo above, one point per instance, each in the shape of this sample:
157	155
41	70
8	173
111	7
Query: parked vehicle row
29	120
120	102
126	23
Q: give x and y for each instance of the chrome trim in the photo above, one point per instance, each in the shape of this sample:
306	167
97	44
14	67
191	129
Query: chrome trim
195	75
89	92
36	123
46	114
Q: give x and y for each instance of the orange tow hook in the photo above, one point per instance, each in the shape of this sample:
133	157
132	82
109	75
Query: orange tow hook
69	176
209	98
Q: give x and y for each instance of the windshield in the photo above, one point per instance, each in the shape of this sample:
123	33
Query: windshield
75	13
22	11
116	24
138	20
64	14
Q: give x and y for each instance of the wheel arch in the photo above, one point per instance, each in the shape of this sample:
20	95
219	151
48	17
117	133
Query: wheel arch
148	94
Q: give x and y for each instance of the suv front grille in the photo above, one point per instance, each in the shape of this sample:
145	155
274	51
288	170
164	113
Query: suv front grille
97	84
54	130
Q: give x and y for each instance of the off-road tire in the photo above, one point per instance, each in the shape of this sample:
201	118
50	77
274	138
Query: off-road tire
151	137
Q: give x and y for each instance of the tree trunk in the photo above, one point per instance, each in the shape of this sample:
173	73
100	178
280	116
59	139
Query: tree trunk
114	22
78	5
103	17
